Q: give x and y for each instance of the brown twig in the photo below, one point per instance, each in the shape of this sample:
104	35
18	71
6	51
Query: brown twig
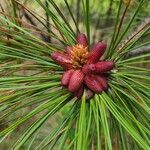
32	22
48	22
135	34
138	51
78	12
107	21
26	15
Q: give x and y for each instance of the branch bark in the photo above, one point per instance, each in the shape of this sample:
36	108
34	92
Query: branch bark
138	51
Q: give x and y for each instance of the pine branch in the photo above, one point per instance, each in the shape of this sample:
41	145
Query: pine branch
29	18
78	11
48	39
135	34
32	22
107	21
138	51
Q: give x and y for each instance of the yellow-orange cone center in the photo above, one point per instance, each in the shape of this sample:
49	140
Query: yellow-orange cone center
79	56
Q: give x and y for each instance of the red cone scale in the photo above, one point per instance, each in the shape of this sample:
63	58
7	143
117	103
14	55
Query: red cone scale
83	67
76	80
93	83
62	59
97	51
103	81
66	77
68	50
82	40
98	68
79	93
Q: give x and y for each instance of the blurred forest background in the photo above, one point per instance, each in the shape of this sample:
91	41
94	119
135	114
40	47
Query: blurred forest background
103	14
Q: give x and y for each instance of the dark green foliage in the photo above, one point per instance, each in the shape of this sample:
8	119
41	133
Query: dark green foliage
36	112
